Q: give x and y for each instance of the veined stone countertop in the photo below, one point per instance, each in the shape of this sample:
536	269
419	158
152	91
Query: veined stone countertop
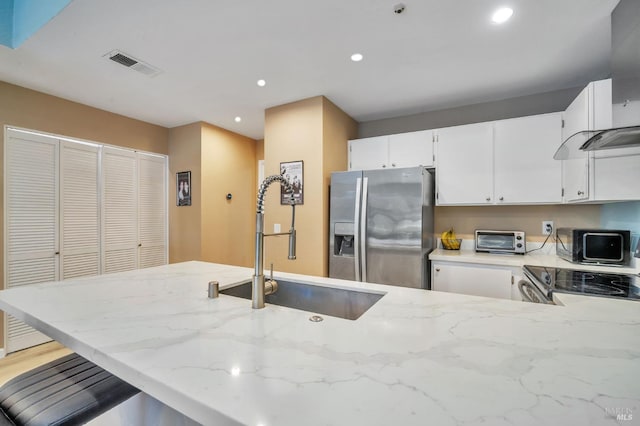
518	260
415	358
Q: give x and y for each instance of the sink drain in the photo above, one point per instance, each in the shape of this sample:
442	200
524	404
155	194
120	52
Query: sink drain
316	318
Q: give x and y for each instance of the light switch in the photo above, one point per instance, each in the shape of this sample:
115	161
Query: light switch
276	228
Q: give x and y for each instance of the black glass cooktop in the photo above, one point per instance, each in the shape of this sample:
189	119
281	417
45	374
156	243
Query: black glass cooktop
605	284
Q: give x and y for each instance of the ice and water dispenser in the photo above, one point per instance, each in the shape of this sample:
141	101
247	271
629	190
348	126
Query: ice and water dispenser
343	243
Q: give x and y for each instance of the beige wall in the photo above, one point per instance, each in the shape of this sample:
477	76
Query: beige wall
259	156
260	149
185	221
29	109
315	131
34	110
294	132
213	228
465	220
228	226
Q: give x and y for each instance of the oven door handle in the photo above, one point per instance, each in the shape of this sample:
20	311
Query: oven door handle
531	293
525	296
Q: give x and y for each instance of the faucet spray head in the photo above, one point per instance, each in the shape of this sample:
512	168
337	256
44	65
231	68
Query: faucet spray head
292	231
292	244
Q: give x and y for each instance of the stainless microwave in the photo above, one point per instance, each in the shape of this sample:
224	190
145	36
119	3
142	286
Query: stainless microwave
597	246
500	241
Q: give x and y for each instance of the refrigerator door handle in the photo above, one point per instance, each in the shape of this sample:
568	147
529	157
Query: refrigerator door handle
356	230
363	227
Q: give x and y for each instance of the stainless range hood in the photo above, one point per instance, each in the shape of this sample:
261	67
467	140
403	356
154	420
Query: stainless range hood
625	75
596	140
623	137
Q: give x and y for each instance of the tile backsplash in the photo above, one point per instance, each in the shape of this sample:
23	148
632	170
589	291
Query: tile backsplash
623	216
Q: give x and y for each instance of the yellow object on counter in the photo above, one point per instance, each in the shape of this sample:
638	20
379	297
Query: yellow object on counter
449	240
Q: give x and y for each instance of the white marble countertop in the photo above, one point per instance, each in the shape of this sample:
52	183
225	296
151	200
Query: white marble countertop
415	358
518	260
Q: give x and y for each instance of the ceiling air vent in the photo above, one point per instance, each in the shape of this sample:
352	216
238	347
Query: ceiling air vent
132	63
124	60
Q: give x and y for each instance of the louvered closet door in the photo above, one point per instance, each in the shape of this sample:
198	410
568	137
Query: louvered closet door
31	240
152	210
119	207
79	205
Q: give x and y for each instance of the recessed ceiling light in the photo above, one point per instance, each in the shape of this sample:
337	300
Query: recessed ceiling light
238	119
502	15
357	57
261	83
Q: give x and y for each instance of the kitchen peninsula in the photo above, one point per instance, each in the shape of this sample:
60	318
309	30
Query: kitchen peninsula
416	357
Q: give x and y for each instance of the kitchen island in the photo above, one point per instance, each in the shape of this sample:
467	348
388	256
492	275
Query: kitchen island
415	358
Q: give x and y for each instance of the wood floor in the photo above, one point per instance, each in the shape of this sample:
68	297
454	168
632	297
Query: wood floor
21	361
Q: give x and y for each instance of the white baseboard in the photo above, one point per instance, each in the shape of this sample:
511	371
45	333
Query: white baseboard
2	353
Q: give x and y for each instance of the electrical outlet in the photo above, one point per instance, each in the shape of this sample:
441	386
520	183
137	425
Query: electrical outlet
276	228
547	227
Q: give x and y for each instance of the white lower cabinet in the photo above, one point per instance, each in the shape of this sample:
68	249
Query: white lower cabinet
475	279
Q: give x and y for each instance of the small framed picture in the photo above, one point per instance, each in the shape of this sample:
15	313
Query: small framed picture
183	188
293	172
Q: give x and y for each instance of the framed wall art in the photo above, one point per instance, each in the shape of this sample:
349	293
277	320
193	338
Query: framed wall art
183	188
293	172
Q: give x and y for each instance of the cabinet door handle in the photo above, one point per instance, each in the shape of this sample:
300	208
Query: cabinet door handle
437	269
488	198
393	164
580	193
501	198
384	166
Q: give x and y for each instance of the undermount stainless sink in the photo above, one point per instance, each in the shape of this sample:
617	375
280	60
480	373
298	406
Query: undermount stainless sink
336	302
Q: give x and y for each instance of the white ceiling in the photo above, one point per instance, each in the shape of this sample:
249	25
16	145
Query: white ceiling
437	54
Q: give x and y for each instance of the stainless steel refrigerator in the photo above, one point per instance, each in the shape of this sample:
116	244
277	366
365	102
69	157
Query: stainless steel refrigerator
381	226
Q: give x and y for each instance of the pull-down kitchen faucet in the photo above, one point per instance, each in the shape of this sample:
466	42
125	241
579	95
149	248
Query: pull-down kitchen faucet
258	290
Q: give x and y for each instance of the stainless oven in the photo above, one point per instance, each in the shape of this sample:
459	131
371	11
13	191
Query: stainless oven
534	286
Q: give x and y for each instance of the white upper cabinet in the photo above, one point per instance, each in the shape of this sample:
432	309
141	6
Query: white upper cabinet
369	153
598	176
464	165
616	175
590	110
525	171
411	149
502	162
401	150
